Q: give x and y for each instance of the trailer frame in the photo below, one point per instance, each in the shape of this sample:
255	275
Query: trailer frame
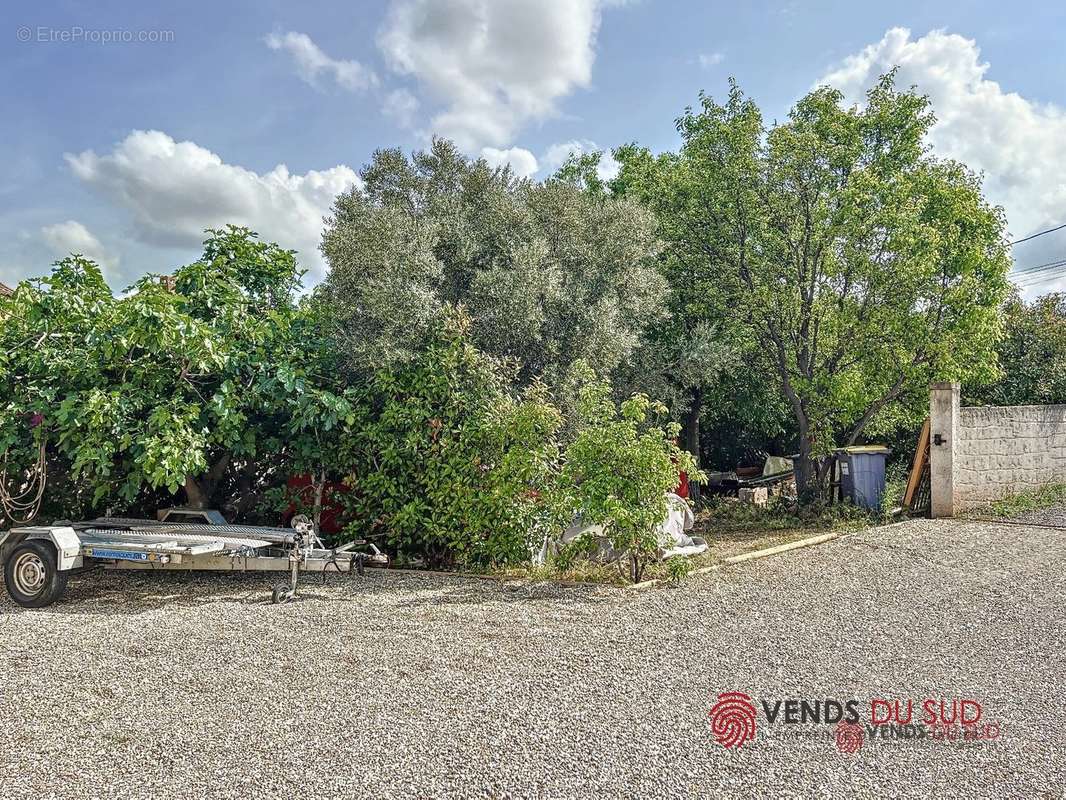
38	559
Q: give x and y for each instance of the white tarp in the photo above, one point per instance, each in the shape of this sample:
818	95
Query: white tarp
775	465
672	536
673	541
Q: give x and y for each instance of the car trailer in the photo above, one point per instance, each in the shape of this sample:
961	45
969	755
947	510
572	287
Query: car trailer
38	559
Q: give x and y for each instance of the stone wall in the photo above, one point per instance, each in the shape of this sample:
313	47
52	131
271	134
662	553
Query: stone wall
981	454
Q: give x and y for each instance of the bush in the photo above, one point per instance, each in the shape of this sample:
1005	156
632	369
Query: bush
619	468
446	465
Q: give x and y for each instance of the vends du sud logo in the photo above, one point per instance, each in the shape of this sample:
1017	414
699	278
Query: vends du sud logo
735	718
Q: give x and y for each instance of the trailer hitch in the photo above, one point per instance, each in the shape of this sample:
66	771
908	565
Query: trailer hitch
305	539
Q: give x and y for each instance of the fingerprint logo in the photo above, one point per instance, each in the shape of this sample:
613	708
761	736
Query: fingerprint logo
733	719
849	737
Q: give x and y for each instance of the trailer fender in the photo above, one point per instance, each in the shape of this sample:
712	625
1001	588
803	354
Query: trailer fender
9	541
62	537
68	547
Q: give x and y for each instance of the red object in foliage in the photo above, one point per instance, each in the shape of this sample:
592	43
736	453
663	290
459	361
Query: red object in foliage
682	486
332	511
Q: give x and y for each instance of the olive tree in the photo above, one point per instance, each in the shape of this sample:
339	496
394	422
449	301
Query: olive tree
549	274
860	265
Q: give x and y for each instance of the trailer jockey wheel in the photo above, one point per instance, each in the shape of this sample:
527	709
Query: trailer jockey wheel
283	593
32	577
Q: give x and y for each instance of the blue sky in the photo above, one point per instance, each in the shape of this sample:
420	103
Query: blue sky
126	150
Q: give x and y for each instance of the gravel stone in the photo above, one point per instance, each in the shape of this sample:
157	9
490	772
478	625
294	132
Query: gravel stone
1054	516
195	686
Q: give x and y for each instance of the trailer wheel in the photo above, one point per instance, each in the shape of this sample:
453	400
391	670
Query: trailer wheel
283	593
31	575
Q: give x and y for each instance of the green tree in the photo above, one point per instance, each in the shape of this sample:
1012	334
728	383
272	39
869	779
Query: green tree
691	357
549	274
859	265
193	383
1031	356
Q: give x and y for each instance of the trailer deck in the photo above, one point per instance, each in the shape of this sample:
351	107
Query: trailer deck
38	559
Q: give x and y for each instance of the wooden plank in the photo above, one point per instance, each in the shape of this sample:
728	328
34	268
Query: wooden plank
782	548
921	454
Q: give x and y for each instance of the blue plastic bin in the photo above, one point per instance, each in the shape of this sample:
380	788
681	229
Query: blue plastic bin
862	474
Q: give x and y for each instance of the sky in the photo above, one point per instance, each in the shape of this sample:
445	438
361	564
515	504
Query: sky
128	127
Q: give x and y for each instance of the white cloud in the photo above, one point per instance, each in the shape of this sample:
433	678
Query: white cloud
175	190
401	106
522	162
311	62
557	154
1018	143
708	60
493	65
71	237
608	168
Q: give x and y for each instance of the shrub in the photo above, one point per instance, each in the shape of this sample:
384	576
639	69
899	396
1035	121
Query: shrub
446	464
619	468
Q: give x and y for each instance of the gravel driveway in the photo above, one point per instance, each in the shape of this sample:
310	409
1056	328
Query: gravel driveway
391	686
1052	516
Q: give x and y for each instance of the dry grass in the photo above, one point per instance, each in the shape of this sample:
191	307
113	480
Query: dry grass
730	528
1024	503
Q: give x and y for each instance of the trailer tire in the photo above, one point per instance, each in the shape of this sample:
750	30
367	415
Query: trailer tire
32	577
283	593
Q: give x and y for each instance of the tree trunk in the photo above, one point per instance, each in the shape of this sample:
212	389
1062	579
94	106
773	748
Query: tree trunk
200	490
691	425
691	436
319	487
812	474
808	485
196	496
636	568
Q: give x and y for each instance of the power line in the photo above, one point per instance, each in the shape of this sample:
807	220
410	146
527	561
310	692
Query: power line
1050	275
1041	266
1039	233
1043	275
1035	284
1026	272
1027	277
1039	273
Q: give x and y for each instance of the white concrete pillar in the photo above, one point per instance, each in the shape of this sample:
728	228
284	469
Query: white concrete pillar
943	426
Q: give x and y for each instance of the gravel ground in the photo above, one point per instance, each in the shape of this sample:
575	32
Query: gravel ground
392	686
1052	515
